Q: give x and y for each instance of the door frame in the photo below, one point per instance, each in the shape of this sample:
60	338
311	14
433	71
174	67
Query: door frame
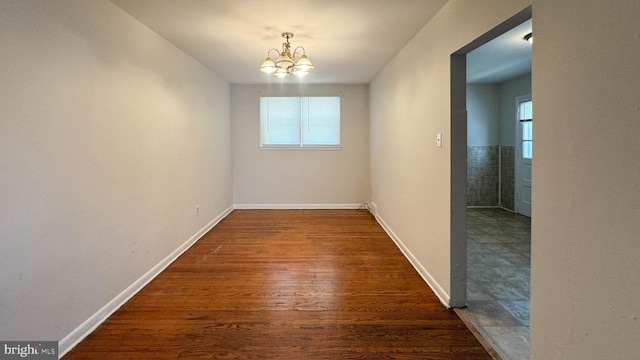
518	156
458	176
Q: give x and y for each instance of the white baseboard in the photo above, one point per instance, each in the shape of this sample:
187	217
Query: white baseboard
78	334
426	276
295	206
373	209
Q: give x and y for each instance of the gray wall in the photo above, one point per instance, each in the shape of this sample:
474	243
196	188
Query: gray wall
507	93
483	117
491	130
483	152
491	111
110	136
309	178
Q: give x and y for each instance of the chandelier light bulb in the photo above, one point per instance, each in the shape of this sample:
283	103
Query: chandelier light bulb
268	66
281	73
300	73
304	64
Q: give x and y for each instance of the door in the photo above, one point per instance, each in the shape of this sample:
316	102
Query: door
524	154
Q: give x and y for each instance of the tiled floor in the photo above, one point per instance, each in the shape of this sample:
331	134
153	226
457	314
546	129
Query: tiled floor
498	263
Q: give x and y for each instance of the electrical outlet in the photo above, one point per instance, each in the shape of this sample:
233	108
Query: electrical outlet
197	209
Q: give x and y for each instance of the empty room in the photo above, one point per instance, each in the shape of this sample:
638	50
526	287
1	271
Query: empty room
288	180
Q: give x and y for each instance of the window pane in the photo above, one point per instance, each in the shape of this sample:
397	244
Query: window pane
280	118
321	120
527	130
527	149
525	110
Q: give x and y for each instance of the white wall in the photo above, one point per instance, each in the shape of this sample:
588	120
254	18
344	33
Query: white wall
483	114
410	104
585	262
109	137
300	177
508	91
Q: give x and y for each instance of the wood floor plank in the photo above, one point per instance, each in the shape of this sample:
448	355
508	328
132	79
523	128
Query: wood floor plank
286	284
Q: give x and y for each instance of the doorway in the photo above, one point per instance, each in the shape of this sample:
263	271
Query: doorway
459	151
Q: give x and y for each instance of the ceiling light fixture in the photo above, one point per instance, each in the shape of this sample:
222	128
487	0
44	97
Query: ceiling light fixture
286	63
529	37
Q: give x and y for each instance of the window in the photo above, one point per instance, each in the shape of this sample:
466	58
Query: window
525	115
299	121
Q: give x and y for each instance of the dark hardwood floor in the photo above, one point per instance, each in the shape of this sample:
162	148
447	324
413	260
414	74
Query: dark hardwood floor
286	284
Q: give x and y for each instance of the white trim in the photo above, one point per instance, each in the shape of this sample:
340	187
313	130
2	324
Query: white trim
499	175
298	147
373	208
295	206
88	326
426	276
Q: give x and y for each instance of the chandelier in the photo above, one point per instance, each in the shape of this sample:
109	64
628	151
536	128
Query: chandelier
285	63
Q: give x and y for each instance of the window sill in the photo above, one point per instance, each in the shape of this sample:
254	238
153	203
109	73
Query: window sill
298	147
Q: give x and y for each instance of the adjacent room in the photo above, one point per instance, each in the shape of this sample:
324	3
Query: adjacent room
150	148
498	97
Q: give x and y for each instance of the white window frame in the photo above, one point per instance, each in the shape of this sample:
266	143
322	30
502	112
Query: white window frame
521	120
301	145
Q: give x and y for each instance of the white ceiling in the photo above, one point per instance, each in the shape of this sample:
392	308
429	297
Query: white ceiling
348	41
503	58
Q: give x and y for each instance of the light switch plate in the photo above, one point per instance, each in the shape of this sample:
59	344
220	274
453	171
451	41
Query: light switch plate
439	140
